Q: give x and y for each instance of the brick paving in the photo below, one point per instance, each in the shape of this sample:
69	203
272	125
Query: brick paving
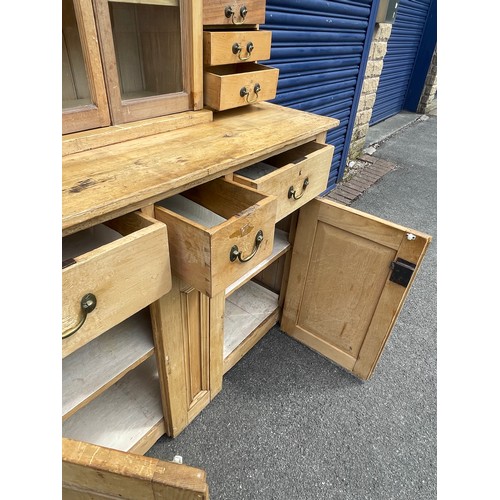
367	175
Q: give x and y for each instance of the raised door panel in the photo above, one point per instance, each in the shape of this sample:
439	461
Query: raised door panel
94	472
342	297
181	328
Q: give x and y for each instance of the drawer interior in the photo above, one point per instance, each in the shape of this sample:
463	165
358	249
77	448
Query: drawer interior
213	203
271	166
238	68
192	211
87	240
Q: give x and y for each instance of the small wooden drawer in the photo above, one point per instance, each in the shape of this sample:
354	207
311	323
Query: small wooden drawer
294	177
119	267
234	85
233	13
217	233
229	47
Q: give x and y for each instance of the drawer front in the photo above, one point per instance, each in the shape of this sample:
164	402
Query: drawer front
234	13
294	177
124	276
212	257
232	86
229	47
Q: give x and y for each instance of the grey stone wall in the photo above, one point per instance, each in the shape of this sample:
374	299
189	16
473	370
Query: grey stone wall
374	67
427	99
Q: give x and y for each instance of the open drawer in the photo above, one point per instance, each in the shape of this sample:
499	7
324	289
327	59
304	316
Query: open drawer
233	85
111	271
294	177
217	233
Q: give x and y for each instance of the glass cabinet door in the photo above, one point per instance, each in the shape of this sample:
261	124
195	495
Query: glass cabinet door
149	50
84	101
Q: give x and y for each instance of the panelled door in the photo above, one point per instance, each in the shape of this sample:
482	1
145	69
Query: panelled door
349	276
92	472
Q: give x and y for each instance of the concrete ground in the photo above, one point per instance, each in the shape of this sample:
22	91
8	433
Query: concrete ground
289	424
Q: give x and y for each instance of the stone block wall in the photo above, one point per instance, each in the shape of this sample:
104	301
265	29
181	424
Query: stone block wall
374	67
427	99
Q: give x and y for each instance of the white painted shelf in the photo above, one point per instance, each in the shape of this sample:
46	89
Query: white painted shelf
245	310
99	364
123	414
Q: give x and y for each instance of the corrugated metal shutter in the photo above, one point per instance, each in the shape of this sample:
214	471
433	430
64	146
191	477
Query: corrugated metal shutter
400	58
318	46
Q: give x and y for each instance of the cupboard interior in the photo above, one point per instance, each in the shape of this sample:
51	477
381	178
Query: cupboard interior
110	388
75	82
147	41
111	391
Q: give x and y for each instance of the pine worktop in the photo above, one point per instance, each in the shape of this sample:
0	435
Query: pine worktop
103	183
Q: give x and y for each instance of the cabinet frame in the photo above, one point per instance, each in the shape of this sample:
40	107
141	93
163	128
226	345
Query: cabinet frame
119	178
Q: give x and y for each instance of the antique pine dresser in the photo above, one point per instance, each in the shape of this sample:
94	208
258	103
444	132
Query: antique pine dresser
191	224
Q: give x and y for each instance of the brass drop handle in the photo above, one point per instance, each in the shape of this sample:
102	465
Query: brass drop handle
87	305
230	13
236	254
237	50
292	192
244	92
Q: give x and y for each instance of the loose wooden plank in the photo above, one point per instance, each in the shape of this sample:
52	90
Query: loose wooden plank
99	364
102	183
121	416
95	472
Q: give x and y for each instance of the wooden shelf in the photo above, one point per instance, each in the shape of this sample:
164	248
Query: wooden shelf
125	416
249	312
280	247
96	366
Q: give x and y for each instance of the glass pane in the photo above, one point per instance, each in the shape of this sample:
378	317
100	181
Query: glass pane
147	41
75	86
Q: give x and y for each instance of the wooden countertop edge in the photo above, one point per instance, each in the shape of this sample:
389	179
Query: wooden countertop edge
105	198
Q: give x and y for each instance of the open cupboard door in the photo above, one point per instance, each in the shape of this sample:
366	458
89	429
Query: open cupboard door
92	472
349	276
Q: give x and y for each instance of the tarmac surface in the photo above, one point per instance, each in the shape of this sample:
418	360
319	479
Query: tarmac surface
289	424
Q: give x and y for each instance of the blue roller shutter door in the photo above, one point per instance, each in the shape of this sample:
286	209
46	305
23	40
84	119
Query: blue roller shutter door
400	58
319	48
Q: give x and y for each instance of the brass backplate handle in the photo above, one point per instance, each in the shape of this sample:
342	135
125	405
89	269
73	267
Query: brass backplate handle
237	50
87	305
236	253
293	194
230	13
244	92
